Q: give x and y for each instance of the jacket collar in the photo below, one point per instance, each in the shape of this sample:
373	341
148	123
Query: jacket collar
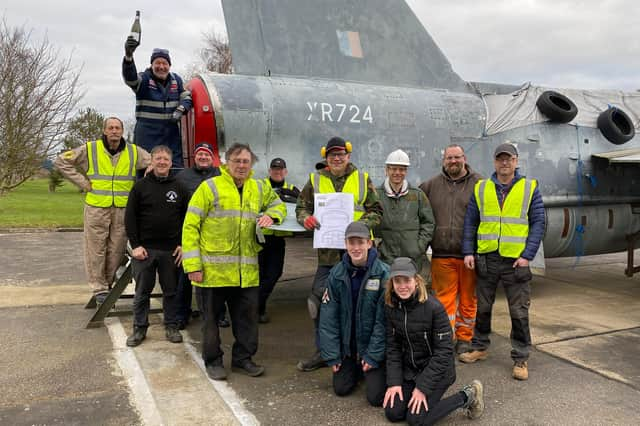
371	258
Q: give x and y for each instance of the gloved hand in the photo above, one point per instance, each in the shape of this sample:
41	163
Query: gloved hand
177	114
130	46
311	223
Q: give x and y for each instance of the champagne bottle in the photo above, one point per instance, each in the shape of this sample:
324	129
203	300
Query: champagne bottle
136	30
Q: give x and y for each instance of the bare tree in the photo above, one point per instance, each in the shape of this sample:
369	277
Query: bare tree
86	125
38	93
216	55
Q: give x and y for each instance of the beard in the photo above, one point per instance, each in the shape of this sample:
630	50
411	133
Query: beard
454	170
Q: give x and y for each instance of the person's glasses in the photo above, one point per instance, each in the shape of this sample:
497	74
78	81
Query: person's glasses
237	161
504	160
454	157
336	155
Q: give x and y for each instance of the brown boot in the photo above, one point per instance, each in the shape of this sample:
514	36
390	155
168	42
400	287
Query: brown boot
473	356
520	370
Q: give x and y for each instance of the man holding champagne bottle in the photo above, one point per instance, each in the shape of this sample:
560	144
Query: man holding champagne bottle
161	98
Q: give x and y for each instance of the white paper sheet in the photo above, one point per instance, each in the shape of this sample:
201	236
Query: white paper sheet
334	212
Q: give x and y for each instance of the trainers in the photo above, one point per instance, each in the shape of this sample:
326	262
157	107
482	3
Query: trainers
139	334
474	406
264	318
250	368
224	323
520	370
312	363
473	356
216	372
463	346
173	335
100	298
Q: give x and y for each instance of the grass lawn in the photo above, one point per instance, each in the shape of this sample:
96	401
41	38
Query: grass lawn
31	205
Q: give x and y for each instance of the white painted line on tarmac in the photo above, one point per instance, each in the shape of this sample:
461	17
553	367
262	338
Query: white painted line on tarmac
132	371
227	394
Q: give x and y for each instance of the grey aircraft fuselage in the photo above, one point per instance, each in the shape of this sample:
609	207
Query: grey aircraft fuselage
591	204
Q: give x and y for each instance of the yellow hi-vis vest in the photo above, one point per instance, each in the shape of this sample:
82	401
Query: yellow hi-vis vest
219	230
356	184
267	231
505	229
110	186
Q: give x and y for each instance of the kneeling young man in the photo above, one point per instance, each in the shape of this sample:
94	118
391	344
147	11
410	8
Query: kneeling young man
352	327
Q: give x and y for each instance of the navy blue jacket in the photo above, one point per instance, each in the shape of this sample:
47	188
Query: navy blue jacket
336	313
535	213
155	103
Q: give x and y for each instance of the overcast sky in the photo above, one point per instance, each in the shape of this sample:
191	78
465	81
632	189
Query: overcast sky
557	43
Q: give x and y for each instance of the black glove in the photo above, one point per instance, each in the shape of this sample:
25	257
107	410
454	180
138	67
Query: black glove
130	46
177	114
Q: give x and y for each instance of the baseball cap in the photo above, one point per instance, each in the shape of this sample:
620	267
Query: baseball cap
278	163
336	143
404	267
357	229
506	148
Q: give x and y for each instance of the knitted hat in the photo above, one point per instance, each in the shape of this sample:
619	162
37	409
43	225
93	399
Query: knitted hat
160	53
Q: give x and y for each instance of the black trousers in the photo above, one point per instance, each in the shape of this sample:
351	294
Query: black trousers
350	373
243	309
271	261
144	273
493	269
438	408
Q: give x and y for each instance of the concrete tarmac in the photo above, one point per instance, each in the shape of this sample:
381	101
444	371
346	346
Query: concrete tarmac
584	368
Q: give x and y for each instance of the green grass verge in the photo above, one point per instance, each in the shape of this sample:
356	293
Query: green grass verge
31	205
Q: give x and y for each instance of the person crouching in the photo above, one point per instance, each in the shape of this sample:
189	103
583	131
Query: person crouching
419	349
351	327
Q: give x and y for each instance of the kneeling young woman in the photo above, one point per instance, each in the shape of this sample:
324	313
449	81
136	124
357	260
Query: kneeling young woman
420	361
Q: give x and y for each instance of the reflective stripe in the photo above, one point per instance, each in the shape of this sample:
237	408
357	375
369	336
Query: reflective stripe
157	104
214	191
514	220
153	115
505	239
132	83
316	183
484	218
185	95
230	259
110	193
480	200
488	236
452	317
525	201
358	208
132	161
195	210
109	177
230	213
260	195
193	254
362	188
94	158
461	324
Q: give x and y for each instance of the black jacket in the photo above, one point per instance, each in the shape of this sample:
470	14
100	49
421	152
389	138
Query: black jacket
155	212
419	345
192	177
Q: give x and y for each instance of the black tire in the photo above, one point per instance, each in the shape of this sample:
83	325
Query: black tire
557	107
616	126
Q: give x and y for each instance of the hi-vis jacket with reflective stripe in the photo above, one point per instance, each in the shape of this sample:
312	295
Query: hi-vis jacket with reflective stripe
504	229
110	185
219	231
356	184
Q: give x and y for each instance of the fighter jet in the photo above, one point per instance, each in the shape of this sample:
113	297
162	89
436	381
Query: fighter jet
368	71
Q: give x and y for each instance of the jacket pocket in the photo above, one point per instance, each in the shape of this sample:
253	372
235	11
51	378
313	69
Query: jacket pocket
522	274
481	266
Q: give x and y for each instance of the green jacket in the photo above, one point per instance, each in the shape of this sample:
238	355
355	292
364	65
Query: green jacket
372	209
219	230
407	226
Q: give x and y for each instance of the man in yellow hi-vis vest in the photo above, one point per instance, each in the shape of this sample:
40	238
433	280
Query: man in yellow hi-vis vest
271	257
220	255
339	175
503	228
105	169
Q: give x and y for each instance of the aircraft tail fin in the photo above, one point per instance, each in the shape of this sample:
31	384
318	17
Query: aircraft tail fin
374	41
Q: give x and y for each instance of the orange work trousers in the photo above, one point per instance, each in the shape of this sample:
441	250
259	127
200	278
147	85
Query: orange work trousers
455	287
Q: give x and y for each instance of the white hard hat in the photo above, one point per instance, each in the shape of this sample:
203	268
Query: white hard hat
398	158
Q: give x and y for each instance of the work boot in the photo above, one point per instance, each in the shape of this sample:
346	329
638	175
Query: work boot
312	363
139	334
473	356
474	407
264	318
216	372
249	367
520	370
173	335
463	346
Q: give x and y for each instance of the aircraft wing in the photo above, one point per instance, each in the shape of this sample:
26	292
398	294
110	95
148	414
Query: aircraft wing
372	41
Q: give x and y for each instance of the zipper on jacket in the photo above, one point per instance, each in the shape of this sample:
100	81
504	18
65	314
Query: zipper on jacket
406	332
426	339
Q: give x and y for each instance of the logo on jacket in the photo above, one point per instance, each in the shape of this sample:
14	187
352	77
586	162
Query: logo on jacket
325	296
172	197
372	285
